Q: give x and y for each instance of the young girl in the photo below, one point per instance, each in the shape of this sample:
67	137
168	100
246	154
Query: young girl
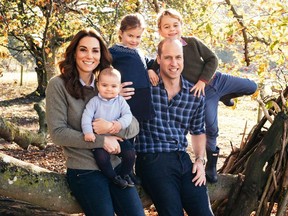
128	59
200	64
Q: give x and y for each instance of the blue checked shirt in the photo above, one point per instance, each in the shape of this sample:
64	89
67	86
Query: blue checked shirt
174	119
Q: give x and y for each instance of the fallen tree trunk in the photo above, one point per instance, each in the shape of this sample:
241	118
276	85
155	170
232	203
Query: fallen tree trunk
22	137
24	181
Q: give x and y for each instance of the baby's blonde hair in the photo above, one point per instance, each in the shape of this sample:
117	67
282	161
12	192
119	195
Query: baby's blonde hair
110	72
168	12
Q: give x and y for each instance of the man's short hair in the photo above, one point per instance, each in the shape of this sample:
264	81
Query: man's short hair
166	40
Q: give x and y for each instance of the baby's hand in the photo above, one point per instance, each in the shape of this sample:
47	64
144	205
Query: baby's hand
116	127
90	137
154	79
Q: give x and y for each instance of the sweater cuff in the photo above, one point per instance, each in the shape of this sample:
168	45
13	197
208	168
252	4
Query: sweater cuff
205	81
100	141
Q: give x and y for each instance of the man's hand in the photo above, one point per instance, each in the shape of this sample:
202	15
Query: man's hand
200	178
127	93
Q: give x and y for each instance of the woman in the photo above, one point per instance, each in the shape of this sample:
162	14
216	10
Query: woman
66	97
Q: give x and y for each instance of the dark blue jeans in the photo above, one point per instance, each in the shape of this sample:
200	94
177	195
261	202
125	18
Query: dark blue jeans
167	178
99	197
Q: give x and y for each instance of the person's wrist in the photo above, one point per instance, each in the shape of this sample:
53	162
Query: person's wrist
202	159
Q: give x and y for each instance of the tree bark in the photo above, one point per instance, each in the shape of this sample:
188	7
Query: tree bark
27	182
40	109
257	170
22	137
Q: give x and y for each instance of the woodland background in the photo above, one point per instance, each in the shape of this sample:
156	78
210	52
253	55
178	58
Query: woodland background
249	37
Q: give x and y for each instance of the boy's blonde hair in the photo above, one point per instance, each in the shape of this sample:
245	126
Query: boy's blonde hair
168	12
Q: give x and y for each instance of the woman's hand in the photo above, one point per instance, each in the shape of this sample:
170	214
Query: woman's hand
111	144
101	126
198	88
116	127
127	92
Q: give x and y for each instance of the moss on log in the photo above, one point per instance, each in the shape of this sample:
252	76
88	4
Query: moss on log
22	137
24	181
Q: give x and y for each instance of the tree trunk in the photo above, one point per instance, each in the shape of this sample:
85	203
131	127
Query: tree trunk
41	77
40	109
27	182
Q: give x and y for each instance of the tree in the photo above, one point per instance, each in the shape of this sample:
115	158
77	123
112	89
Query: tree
254	34
40	27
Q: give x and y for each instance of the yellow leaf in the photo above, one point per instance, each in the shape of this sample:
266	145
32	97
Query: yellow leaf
47	50
255	95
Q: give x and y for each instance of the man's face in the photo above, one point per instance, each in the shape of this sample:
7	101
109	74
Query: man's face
171	60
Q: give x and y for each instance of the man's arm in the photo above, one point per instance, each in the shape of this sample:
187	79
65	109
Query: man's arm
199	146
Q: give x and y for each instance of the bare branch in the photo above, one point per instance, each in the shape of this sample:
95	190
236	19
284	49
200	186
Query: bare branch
239	18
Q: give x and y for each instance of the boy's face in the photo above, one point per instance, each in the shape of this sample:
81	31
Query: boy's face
170	27
108	86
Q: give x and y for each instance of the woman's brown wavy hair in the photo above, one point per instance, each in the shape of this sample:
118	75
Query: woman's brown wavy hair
68	68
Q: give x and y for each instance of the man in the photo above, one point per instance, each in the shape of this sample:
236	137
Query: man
166	171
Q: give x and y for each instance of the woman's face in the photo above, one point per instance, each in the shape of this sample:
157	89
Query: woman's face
87	54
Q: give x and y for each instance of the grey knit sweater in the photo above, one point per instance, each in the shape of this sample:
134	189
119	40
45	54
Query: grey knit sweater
63	113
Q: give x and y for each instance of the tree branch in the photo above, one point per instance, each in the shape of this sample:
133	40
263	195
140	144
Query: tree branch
239	18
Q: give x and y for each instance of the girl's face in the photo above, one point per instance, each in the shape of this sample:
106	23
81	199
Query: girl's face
132	37
108	86
87	55
170	27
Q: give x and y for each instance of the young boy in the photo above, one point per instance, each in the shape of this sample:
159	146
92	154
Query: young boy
110	106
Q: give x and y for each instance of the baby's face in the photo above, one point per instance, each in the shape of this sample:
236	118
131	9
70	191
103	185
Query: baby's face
109	86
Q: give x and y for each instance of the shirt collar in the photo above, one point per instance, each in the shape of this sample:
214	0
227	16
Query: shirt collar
119	44
184	43
104	99
92	83
185	84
